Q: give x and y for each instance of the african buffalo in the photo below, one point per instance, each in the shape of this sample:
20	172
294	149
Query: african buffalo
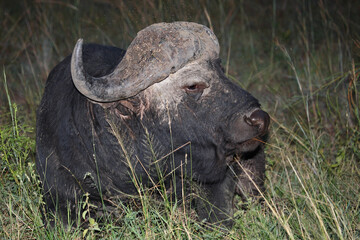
112	120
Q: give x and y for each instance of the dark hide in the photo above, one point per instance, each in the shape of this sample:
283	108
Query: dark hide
87	147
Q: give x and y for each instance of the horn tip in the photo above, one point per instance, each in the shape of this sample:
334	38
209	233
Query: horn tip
79	42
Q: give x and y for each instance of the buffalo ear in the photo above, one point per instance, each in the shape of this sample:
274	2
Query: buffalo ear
155	53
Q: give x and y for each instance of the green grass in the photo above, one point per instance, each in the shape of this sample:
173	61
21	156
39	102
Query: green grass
299	58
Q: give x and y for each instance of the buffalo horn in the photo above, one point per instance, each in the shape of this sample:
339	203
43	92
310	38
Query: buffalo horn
156	52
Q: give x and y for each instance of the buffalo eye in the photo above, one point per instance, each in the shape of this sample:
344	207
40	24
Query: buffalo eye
195	90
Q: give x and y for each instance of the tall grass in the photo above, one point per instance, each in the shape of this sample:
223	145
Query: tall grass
299	58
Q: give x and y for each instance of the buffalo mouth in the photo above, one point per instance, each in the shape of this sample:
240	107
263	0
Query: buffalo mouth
249	145
244	147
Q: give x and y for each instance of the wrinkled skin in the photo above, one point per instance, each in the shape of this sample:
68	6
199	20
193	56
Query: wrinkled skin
86	146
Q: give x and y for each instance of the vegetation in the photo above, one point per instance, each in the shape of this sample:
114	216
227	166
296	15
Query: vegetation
299	58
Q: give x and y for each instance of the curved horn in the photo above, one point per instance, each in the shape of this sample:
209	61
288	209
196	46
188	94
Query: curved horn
155	53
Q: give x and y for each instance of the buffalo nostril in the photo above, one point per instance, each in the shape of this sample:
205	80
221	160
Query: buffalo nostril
259	119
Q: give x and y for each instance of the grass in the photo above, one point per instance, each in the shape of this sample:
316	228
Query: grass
300	59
